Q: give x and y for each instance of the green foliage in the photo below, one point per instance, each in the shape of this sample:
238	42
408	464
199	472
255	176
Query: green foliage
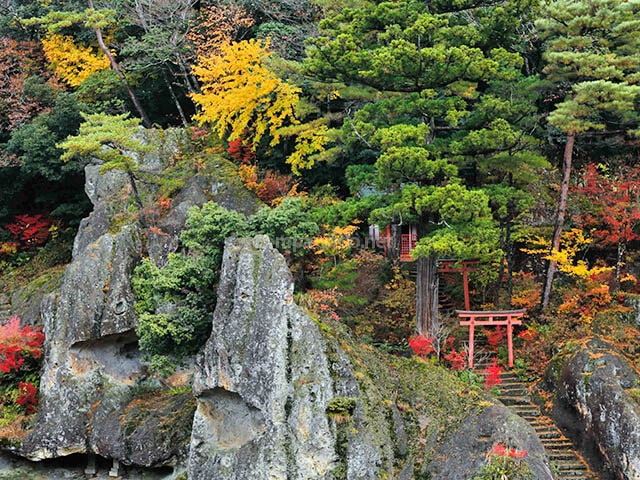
175	302
342	406
290	222
103	93
504	467
117	132
40	178
591	46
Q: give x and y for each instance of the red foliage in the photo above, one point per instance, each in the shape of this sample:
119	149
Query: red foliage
30	230
16	342
274	186
241	152
501	450
323	302
492	375
457	360
528	335
496	337
27	396
611	205
421	346
19	60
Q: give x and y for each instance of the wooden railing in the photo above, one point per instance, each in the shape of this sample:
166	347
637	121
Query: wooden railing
408	244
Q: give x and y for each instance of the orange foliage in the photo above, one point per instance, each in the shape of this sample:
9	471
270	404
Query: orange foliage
526	291
585	304
323	303
272	188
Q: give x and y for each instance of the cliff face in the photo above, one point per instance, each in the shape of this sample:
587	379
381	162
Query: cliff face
96	394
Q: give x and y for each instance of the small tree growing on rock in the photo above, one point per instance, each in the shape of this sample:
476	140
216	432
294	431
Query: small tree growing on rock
112	139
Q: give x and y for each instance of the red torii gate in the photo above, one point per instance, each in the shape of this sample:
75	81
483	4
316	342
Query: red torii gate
448	266
509	320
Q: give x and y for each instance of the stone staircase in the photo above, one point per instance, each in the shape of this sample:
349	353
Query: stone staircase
568	463
5	308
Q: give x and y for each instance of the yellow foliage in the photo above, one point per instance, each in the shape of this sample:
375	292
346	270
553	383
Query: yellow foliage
571	243
72	63
310	141
240	94
336	243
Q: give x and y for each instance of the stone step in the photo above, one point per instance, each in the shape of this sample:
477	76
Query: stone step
555	444
524	410
562	455
549	435
571	465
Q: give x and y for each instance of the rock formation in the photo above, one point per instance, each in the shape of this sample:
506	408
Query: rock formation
595	386
278	399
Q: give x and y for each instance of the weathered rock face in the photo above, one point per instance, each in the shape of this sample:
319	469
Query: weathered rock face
25	300
593	383
278	399
465	453
93	379
264	383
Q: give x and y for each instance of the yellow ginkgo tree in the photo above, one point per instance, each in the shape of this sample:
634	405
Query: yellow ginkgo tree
242	98
336	243
72	63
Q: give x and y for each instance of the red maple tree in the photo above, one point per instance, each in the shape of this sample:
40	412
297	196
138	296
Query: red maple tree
30	230
611	207
17	342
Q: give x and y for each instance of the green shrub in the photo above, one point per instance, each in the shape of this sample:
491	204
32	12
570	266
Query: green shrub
175	302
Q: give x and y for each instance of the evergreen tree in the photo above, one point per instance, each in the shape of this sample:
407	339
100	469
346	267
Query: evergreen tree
592	55
452	114
119	135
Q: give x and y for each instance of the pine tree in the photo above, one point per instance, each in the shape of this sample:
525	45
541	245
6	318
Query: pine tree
452	113
118	134
591	54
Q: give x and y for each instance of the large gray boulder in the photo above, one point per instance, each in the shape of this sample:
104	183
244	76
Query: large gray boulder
466	451
593	384
264	383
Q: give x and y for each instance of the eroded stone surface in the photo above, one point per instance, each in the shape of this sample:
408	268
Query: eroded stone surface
93	372
593	383
263	371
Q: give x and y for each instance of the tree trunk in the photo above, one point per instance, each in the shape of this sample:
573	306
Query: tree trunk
562	208
116	68
498	283
619	259
175	100
136	196
509	265
427	296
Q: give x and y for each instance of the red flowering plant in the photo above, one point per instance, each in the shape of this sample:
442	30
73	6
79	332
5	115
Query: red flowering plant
20	353
30	230
437	348
492	375
504	463
28	396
